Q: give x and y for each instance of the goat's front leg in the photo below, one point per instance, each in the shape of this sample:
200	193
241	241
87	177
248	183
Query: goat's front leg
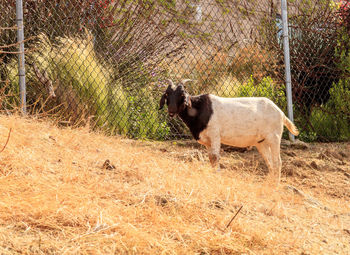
214	153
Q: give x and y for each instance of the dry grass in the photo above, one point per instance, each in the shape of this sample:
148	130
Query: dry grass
163	198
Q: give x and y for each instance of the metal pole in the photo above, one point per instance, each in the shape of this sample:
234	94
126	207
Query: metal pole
21	67
287	63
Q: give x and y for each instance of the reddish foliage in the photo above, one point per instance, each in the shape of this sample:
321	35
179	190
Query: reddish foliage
344	12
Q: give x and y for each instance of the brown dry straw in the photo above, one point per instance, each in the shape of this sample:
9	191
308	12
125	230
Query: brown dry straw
53	192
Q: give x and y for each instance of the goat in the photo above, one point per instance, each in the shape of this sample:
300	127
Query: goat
239	122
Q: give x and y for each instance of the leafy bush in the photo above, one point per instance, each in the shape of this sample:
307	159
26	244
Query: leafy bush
146	121
85	86
72	67
331	122
265	88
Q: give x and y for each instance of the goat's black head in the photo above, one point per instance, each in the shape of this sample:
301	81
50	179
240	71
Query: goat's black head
176	98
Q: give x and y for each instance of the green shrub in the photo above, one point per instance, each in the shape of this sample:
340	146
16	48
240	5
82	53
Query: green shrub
331	122
146	121
265	88
85	86
9	76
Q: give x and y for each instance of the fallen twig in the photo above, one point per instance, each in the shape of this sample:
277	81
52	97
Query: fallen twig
45	80
8	138
234	216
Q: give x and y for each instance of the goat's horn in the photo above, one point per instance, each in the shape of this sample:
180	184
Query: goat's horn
185	80
170	82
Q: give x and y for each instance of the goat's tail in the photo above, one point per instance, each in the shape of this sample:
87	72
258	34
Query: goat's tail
291	127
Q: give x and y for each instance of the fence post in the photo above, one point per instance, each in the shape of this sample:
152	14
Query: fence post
21	67
287	63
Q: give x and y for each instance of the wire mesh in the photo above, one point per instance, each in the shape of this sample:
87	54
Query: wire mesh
107	61
8	51
320	69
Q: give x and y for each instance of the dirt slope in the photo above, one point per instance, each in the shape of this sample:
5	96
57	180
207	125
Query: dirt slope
69	191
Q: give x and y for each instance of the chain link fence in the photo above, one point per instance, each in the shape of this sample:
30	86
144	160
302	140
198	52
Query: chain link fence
107	61
8	51
320	67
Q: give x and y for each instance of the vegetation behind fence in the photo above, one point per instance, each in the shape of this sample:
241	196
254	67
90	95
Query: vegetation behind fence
107	61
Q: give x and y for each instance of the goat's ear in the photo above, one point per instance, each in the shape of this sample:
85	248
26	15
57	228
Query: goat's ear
162	101
188	102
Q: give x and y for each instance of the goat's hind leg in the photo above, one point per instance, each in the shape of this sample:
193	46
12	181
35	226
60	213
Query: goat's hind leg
270	151
265	152
275	146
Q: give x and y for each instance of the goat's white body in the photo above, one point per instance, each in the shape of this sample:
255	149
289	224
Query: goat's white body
244	122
